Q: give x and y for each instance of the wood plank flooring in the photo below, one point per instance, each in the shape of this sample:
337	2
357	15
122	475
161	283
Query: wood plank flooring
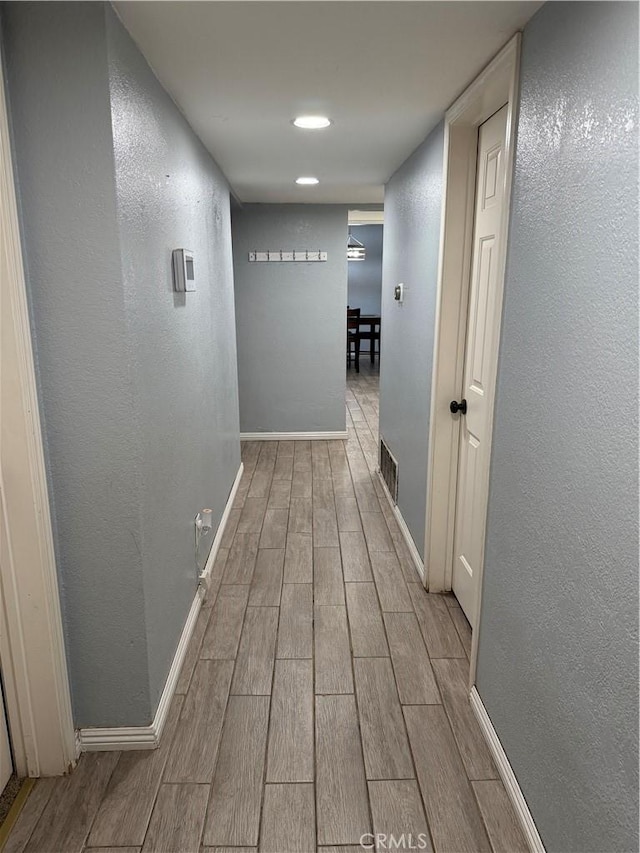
323	695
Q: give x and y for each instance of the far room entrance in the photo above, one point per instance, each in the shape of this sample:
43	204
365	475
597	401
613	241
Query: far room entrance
364	328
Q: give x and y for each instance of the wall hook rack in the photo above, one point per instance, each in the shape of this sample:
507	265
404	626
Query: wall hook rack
282	256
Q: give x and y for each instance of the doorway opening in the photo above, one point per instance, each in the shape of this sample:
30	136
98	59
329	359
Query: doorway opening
364	322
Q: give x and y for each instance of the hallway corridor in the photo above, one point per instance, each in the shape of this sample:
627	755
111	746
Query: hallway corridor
363	413
192	195
324	693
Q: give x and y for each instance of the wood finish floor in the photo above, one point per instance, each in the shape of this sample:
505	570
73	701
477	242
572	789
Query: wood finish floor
323	696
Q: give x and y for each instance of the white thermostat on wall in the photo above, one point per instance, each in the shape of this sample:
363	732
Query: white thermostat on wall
184	277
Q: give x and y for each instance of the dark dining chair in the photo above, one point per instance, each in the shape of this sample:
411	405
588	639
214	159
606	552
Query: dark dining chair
353	336
372	335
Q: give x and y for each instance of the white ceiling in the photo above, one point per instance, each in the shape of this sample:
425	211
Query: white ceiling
383	71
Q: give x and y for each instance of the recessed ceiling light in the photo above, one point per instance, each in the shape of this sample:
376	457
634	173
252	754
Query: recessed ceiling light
312	122
307	181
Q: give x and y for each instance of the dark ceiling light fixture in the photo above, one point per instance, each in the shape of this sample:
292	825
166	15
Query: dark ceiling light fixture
355	249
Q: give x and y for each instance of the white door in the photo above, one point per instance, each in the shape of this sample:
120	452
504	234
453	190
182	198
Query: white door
481	354
6	763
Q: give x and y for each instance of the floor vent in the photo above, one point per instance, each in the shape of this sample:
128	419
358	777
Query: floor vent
389	470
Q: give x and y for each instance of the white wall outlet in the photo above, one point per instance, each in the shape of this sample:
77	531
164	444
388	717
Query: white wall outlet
398	293
204	521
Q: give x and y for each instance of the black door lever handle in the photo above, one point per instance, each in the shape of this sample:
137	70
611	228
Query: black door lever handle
455	407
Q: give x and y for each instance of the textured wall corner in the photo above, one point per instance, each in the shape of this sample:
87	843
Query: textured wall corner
138	384
57	81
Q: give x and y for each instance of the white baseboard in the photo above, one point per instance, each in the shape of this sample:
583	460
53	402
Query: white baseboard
148	737
402	524
145	737
213	553
507	775
292	436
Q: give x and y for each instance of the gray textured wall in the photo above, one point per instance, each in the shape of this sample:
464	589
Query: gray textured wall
138	386
365	277
291	325
170	193
411	241
558	664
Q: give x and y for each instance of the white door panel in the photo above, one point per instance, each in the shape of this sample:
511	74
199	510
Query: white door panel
481	352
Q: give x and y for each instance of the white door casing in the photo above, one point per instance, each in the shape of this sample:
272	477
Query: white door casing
494	87
32	653
481	353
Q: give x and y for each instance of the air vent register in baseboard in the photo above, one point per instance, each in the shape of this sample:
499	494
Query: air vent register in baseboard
389	470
